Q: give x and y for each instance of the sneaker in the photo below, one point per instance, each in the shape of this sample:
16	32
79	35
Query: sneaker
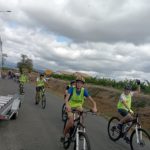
36	103
127	140
63	139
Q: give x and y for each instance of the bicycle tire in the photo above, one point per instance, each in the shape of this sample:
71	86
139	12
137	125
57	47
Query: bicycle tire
21	88
142	142
83	136
63	112
43	101
37	99
112	128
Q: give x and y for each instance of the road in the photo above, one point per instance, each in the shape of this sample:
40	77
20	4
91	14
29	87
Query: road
38	129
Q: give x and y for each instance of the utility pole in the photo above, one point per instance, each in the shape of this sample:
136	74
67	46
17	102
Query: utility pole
1	47
1	57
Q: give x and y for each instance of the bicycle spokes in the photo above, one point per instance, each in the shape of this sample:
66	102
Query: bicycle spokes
113	132
82	142
140	139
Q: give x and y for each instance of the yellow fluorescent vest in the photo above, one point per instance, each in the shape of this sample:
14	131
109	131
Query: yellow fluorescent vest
120	105
77	100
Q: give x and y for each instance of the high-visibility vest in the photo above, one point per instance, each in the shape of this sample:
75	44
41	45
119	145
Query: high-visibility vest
120	105
77	100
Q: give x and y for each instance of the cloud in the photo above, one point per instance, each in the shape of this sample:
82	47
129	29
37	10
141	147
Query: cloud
101	37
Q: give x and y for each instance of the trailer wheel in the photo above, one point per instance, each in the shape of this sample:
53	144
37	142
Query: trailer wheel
19	104
15	116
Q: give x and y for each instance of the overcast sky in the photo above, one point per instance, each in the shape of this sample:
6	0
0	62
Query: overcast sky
108	38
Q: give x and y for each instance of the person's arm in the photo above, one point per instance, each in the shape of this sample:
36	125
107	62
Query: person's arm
137	92
67	102
37	81
46	83
125	104
94	108
69	93
123	101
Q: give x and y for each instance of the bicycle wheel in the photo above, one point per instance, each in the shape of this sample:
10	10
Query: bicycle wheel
113	132
84	143
43	101
144	140
63	113
21	88
66	144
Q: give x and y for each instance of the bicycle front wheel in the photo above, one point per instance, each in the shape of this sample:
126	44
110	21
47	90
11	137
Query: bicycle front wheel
21	89
84	143
140	140
43	101
64	113
113	132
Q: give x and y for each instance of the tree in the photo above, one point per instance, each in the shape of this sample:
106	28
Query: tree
25	63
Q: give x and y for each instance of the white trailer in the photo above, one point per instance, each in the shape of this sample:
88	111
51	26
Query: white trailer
9	106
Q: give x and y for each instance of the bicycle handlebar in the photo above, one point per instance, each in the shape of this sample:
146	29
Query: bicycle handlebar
74	110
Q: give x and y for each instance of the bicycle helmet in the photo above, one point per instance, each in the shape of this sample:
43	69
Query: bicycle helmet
128	87
72	81
80	78
41	74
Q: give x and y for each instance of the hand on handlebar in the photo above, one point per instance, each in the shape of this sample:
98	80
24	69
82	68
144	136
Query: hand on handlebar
94	110
131	111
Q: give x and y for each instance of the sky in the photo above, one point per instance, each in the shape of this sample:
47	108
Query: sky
104	38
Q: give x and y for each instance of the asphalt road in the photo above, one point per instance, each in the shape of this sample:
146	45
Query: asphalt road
38	129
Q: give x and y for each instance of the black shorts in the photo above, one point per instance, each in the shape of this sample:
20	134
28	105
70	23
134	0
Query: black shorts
39	88
123	112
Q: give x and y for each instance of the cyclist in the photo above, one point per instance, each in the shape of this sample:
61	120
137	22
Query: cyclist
40	84
22	80
72	84
124	104
77	93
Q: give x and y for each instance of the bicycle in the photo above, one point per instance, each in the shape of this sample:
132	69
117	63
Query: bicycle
138	138
77	133
63	112
41	97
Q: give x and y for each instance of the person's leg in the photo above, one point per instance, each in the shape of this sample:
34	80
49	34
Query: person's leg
69	123
125	119
37	95
126	116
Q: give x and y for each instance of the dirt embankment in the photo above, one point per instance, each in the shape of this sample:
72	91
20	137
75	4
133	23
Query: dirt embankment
106	99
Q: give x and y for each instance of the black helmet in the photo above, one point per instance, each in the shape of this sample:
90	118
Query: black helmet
41	74
128	87
72	81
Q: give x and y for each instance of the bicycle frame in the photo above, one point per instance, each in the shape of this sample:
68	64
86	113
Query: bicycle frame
41	93
135	122
78	122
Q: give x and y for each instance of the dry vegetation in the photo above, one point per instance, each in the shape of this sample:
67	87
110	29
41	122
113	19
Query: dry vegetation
106	99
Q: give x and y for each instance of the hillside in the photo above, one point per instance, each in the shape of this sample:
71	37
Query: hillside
106	99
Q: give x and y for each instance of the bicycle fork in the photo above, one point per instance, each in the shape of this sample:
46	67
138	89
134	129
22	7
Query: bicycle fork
77	139
138	136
